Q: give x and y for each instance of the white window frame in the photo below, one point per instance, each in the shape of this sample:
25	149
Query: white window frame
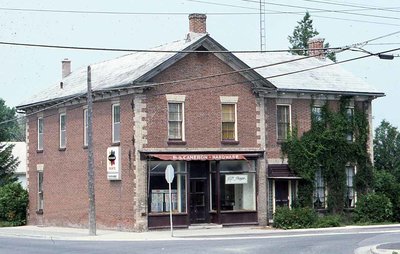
317	118
114	123
277	123
85	127
353	187
350	136
235	123
63	133
178	99
40	135
230	100
40	197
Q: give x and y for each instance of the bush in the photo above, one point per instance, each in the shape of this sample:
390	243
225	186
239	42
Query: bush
13	204
287	218
329	221
373	207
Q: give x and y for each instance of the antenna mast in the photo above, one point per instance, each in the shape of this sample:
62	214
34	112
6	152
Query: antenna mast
263	46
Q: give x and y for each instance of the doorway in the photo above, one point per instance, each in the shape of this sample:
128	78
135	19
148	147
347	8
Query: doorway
281	193
199	192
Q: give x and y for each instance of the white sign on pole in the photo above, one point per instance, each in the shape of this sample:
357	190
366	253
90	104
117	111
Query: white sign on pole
169	176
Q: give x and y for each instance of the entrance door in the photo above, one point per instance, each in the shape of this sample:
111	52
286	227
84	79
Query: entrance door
199	196
281	193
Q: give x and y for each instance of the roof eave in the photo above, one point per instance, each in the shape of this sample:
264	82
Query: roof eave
332	92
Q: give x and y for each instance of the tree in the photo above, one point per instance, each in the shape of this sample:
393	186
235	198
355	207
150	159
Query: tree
387	164
8	131
303	32
387	149
8	164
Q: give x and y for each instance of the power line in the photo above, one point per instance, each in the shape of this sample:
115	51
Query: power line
302	13
390	9
144	50
319	9
218	86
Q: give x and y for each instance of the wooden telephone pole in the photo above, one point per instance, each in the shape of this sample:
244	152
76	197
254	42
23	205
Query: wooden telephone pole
92	205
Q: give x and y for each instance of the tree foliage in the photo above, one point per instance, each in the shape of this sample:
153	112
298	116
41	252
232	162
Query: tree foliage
302	33
10	130
13	204
8	164
387	164
326	147
387	149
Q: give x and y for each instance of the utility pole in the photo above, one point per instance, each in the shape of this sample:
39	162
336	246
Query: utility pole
92	205
263	45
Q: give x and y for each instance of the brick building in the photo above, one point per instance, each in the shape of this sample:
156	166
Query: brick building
218	122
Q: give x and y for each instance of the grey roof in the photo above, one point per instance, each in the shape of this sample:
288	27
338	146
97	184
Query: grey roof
135	67
120	71
332	78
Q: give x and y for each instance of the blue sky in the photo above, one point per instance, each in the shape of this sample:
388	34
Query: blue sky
25	71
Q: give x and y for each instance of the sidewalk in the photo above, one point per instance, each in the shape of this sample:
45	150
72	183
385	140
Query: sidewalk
210	233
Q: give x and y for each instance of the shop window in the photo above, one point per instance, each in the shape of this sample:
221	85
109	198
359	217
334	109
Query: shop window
237	186
158	187
319	190
116	123
229	122
63	130
350	193
175	121
40	124
283	122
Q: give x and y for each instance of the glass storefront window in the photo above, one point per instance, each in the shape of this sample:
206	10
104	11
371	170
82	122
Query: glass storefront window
237	186
158	187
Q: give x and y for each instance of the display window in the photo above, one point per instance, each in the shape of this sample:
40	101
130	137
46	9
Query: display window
158	187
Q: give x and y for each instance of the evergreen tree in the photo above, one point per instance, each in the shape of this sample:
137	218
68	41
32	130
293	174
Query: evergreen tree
8	132
301	34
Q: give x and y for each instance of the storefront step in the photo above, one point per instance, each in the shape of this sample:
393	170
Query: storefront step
205	226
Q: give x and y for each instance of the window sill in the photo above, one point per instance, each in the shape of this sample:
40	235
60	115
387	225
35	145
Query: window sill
62	149
39	151
153	214
230	142
115	143
176	142
40	211
85	147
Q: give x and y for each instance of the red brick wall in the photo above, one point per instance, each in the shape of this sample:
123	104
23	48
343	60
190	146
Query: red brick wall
65	172
202	105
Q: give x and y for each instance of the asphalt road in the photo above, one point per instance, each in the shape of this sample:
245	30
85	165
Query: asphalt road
332	242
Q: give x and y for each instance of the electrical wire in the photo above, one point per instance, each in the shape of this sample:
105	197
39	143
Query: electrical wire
211	87
390	9
238	71
148	50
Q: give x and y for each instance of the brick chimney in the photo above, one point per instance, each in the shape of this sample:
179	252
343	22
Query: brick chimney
66	67
197	23
315	48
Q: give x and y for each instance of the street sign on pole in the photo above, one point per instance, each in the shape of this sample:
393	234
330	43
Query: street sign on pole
169	176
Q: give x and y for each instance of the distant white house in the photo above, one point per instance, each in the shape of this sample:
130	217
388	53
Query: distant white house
19	152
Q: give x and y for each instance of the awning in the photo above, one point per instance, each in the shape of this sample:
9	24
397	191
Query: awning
201	157
281	171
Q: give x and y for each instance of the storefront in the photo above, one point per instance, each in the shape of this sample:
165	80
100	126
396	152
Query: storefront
207	188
